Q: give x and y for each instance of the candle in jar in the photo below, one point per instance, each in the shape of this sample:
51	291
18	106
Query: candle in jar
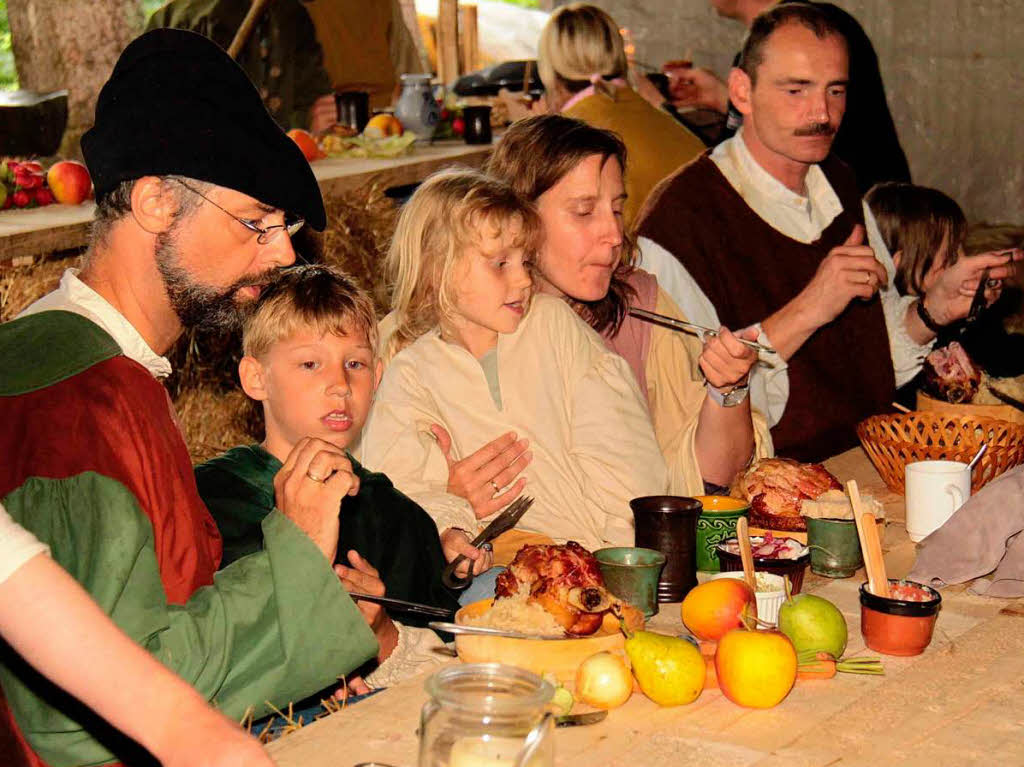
490	751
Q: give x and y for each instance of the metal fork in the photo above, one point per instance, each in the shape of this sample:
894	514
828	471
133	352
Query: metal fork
504	521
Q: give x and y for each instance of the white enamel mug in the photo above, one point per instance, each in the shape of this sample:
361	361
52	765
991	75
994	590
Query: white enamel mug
935	489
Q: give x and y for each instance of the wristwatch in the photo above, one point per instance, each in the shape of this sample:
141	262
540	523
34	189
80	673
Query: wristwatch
731	398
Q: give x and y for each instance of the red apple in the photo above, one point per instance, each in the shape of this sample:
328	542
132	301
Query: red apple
458	126
715	607
69	181
755	668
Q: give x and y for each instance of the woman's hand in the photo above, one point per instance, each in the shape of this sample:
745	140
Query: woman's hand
949	298
481	477
726	362
455	542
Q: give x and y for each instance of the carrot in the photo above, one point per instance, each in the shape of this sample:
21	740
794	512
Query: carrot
816	669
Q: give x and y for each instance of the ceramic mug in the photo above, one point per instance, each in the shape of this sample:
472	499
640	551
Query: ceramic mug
631	574
935	489
717	522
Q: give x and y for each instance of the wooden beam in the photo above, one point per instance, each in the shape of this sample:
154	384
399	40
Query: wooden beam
448	40
468	38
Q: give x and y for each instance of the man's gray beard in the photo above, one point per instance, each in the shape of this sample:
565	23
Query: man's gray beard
198	306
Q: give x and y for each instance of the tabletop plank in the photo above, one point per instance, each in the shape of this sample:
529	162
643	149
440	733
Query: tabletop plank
958	703
38	231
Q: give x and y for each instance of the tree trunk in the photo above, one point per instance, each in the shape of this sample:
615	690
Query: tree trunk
73	45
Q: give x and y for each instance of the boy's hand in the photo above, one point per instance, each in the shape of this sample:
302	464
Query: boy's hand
455	542
481	477
364	578
309	489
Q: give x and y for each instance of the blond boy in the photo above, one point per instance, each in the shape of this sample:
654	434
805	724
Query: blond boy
309	359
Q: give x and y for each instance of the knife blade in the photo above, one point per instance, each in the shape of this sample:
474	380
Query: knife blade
1005	398
580	720
978	302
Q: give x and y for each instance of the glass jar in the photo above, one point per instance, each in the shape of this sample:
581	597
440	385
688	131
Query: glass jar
486	715
417	109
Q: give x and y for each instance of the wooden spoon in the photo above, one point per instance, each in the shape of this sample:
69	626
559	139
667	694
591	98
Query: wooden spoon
870	546
746	556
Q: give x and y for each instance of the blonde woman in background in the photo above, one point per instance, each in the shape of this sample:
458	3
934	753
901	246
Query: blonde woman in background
582	63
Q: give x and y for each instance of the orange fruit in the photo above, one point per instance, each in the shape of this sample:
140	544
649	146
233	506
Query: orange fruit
306	143
382	126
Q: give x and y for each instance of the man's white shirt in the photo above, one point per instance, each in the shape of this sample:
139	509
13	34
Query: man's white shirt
801	218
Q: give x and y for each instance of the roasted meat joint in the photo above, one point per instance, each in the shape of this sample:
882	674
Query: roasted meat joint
564	580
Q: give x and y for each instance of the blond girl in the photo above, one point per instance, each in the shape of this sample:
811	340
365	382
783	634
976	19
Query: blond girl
475	351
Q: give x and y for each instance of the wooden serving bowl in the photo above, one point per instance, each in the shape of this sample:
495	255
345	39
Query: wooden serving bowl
560	657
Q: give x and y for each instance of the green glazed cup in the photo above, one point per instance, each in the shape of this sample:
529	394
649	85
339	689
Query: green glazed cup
632	575
716	523
835	547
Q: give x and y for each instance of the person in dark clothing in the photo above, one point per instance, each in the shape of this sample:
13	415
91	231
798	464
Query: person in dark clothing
867	140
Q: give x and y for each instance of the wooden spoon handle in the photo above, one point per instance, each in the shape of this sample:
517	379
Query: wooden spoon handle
746	557
877	580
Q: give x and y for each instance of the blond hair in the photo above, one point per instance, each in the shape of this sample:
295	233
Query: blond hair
447	214
580	43
311	297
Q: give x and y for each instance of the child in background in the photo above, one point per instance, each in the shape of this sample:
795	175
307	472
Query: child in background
924	231
471	351
309	359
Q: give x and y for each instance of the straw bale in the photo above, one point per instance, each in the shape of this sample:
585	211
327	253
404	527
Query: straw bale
360	225
213	420
21	285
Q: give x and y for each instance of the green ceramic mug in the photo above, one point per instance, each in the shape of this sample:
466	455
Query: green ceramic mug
835	547
716	523
631	574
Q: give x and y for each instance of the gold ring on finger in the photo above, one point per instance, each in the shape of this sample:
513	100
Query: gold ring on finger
315	477
495	486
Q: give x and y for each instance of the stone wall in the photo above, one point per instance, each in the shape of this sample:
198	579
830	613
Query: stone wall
953	71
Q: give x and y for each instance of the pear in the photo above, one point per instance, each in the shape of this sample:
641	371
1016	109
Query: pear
813	624
670	670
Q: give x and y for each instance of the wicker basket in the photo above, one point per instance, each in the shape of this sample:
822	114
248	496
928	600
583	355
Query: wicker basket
893	441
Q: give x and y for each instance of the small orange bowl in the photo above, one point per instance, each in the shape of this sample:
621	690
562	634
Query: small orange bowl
899	626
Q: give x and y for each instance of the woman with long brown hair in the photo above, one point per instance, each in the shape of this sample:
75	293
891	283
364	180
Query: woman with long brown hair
573	172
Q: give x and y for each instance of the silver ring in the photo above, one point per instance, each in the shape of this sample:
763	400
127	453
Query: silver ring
487	546
315	477
495	486
993	283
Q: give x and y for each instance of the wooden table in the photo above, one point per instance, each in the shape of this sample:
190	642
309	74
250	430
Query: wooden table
38	231
961	702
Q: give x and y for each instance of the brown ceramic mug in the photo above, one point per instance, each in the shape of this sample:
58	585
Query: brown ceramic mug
668	523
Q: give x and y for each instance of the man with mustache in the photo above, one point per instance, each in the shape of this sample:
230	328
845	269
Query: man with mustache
866	141
198	193
767	230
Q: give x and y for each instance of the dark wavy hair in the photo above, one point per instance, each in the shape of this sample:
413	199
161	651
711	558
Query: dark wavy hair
807	15
537	153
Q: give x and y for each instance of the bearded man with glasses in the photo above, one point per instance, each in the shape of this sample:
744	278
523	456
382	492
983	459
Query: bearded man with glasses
198	193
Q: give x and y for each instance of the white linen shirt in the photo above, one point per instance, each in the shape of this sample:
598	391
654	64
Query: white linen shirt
73	295
17	545
801	218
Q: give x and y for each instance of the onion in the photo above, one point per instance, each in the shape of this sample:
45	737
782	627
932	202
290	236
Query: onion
603	681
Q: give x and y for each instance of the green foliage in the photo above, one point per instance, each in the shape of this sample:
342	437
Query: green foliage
523	3
8	75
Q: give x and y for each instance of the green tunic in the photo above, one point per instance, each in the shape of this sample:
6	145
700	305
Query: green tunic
387	528
95	468
282	56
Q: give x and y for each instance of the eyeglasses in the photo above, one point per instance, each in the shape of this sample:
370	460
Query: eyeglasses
292	224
